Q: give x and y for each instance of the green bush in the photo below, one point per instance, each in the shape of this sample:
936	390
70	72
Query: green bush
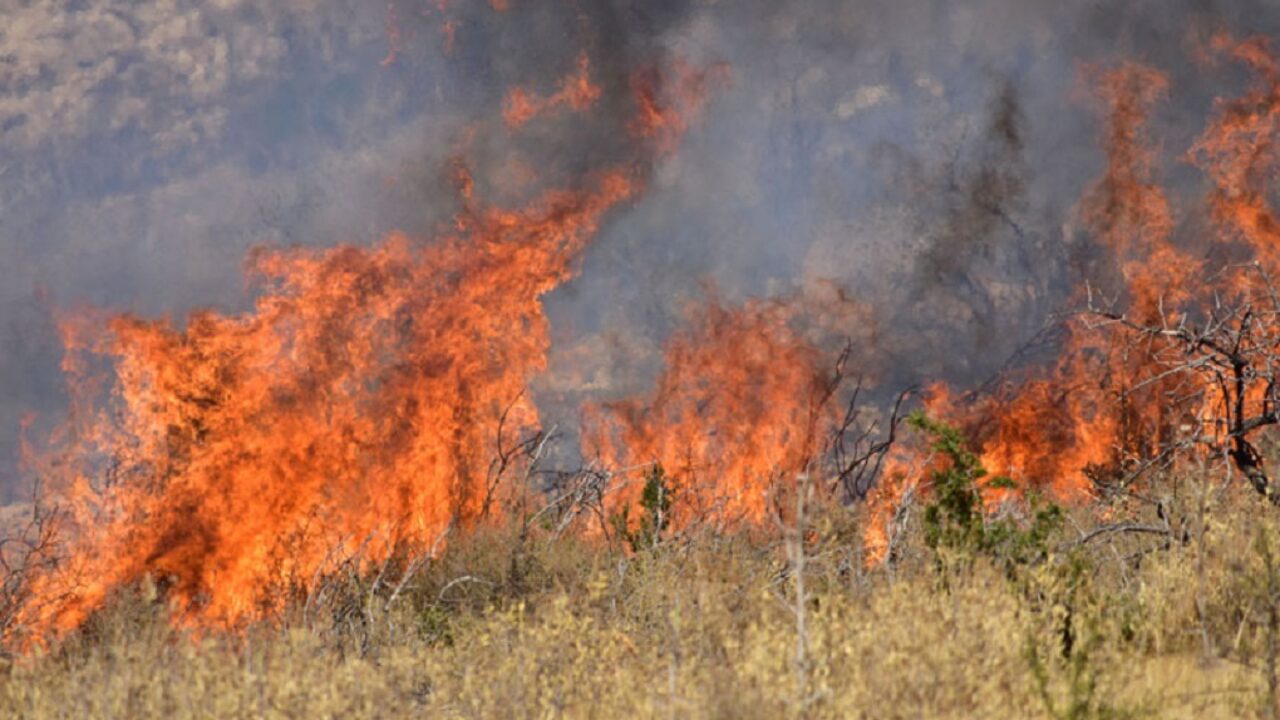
656	500
956	525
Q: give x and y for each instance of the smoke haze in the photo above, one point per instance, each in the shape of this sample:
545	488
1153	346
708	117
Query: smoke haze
925	157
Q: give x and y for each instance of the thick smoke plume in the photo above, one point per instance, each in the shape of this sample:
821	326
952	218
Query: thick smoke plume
478	218
147	148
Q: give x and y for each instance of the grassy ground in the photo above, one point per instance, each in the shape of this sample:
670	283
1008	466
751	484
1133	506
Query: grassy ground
1181	624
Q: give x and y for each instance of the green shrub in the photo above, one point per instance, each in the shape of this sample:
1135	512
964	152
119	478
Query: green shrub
956	525
656	501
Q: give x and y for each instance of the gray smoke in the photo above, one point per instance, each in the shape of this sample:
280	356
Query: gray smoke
925	155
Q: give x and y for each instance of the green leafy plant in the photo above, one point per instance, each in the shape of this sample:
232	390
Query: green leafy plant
655	504
955	521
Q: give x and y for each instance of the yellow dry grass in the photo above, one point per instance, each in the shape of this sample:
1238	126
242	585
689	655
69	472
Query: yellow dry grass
705	627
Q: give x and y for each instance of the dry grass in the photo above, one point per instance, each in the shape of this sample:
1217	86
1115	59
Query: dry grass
1123	626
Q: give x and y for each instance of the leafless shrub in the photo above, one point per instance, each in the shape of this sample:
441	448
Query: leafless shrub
27	548
1230	352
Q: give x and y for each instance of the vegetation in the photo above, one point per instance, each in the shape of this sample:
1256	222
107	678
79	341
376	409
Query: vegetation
655	504
1028	611
956	523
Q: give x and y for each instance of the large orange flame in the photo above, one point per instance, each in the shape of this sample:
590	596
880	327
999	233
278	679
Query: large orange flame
739	407
1049	431
354	409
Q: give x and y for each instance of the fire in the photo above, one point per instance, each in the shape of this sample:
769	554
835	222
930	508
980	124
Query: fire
1111	405
353	410
576	91
668	100
738	408
1127	209
1047	431
1239	153
449	31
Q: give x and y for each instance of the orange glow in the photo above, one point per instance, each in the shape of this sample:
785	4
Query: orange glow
1047	431
1127	209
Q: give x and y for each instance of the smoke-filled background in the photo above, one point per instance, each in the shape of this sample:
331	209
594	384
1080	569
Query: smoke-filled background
922	157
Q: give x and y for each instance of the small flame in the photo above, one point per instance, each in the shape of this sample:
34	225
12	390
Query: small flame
393	37
666	101
576	91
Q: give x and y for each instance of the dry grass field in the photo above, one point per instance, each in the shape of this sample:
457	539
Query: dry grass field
1095	620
